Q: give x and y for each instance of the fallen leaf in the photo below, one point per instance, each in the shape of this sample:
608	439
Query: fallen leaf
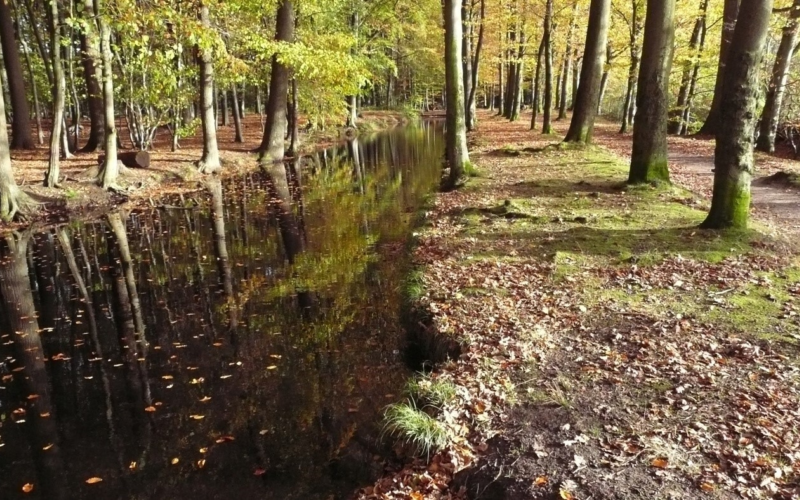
150	409
174	461
201	463
197	417
540	481
47	447
27	487
259	472
93	480
659	462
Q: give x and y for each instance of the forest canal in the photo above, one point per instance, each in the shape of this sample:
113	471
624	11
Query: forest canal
273	337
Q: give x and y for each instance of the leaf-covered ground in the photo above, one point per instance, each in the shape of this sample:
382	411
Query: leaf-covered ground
609	348
170	172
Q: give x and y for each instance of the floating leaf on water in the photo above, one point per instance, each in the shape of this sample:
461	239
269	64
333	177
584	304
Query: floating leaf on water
224	439
132	466
93	480
167	377
224	376
174	461
150	409
259	472
205	398
272	367
47	447
27	487
203	450
201	463
197	417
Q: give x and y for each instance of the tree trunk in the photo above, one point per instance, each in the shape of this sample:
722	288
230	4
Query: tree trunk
677	113
12	200
209	162
536	94
476	58
630	89
21	125
59	87
237	116
771	114
456	129
576	73
273	143
733	155
466	61
93	75
500	89
107	177
519	71
567	66
729	15
547	105
294	133
582	124
225	113
649	154
34	86
603	81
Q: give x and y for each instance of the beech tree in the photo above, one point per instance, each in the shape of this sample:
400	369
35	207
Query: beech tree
12	200
273	147
771	113
547	40
20	125
109	170
456	129
51	178
649	154
733	155
209	162
582	124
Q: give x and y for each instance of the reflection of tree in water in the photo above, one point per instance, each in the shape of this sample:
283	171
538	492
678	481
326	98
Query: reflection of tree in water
269	322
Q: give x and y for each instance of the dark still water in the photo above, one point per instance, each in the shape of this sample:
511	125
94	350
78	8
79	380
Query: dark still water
239	343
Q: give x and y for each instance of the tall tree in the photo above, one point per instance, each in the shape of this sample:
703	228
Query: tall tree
730	14
476	58
678	116
565	71
733	155
456	127
582	124
12	200
649	155
547	105
771	113
634	30
109	170
273	147
209	162
59	89
92	74
537	76
20	125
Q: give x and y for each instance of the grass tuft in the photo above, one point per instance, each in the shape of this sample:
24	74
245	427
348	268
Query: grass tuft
425	390
414	427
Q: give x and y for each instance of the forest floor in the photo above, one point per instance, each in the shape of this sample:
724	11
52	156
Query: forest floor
610	349
169	173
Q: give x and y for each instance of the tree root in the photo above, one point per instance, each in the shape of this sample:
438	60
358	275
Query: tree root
205	167
14	203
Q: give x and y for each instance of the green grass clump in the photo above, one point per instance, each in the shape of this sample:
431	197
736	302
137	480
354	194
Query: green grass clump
415	428
425	390
414	287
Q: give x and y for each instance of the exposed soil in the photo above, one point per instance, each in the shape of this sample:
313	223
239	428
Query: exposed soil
169	173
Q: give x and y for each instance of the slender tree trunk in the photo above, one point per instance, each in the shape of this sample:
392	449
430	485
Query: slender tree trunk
34	86
576	73
536	93
226	121
456	129
21	125
733	155
500	89
92	73
729	15
547	106
59	87
603	81
677	113
649	154
109	171
466	61
567	66
770	115
294	133
476	57
237	116
273	143
630	90
210	161
582	124
519	71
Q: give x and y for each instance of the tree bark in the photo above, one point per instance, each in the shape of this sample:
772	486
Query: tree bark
603	81
771	113
91	59
567	67
237	116
476	58
628	106
294	133
21	125
34	87
12	199
456	129
466	61
59	88
536	94
547	105
107	177
649	154
273	142
730	13
582	124
698	33
733	155
209	162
